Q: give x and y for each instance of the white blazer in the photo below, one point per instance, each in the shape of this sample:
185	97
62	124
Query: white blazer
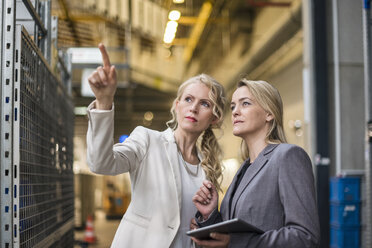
153	216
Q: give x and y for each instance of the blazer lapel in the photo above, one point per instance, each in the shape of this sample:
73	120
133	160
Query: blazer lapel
225	204
251	172
225	208
171	152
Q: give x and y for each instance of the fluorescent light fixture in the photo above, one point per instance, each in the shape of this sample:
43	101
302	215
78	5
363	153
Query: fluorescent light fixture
174	15
168	38
178	1
170	31
171	26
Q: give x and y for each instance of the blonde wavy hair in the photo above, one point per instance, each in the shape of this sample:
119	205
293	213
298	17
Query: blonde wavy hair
268	97
209	146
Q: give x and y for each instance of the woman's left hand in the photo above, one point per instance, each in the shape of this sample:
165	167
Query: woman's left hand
193	224
206	199
219	240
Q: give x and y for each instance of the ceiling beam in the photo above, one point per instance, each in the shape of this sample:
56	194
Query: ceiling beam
192	20
255	3
197	30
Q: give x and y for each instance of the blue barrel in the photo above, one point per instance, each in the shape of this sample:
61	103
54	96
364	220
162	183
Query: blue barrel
344	189
345	212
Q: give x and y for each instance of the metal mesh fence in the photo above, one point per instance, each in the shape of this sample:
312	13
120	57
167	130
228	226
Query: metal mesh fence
46	193
67	240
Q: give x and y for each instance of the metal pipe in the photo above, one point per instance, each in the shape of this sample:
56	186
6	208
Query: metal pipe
308	77
35	16
46	41
320	112
337	91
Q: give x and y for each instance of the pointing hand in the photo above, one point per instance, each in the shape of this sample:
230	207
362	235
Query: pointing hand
103	81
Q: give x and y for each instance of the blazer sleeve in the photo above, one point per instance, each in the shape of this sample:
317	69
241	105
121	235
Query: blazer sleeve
103	157
213	218
297	196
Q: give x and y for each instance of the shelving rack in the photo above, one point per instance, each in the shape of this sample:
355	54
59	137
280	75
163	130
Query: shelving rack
37	121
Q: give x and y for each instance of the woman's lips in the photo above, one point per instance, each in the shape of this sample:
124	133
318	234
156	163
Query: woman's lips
191	119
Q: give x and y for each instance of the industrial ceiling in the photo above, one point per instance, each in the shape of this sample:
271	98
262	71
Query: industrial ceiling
224	38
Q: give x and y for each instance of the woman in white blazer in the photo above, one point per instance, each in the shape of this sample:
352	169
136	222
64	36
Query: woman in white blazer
166	168
274	188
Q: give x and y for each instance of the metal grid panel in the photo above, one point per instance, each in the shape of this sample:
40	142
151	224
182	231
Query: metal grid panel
46	200
67	240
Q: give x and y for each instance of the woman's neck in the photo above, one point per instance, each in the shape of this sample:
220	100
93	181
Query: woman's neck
186	143
255	147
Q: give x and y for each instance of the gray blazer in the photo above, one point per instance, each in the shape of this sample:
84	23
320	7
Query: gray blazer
277	195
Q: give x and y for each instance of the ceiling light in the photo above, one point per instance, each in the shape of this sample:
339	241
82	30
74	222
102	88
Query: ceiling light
178	1
174	15
168	38
172	26
170	31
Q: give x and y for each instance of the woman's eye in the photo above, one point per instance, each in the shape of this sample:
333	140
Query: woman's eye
205	104
188	99
246	103
232	107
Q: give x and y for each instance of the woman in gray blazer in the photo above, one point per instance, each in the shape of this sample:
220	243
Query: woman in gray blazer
273	189
166	168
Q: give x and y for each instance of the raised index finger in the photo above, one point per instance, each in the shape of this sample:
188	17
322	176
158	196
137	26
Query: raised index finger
105	57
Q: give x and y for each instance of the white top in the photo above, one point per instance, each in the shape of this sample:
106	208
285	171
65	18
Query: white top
190	184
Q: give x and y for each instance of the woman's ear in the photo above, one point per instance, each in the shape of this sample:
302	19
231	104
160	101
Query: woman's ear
269	117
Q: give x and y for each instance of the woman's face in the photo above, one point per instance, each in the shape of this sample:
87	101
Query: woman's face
249	119
195	109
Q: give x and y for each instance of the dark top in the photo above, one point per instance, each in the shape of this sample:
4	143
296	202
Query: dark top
239	177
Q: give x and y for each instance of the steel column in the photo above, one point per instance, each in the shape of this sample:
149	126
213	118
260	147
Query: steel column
368	115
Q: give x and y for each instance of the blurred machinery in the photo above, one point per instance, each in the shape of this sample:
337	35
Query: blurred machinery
116	196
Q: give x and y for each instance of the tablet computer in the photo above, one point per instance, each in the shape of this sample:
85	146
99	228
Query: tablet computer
229	226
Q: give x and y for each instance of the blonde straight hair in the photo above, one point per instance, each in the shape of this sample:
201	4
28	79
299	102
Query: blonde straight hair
209	146
268	97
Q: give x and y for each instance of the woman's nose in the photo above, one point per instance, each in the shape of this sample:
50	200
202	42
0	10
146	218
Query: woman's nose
235	111
193	108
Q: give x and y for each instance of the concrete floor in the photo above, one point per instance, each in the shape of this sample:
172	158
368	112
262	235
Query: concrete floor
104	231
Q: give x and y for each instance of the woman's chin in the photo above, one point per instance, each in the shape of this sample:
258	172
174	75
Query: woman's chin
192	129
237	133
